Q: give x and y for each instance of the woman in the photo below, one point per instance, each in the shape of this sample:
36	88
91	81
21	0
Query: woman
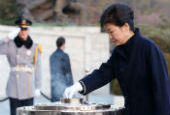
136	62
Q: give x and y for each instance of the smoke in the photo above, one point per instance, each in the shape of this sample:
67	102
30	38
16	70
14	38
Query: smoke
59	83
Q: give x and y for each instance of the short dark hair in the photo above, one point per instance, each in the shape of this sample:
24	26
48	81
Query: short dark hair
60	41
118	14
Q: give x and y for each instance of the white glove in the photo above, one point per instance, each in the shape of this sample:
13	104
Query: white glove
37	93
13	33
72	90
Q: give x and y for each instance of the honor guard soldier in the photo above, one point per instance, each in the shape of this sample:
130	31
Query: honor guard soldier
24	57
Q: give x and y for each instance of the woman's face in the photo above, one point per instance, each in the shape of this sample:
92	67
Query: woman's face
117	34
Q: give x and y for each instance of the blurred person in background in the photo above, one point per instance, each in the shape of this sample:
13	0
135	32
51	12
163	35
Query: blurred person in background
24	57
60	69
136	62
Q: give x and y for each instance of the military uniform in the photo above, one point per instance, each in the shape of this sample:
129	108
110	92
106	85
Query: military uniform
25	62
23	80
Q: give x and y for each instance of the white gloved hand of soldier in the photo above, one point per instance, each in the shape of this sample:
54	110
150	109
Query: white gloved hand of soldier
37	93
72	90
13	33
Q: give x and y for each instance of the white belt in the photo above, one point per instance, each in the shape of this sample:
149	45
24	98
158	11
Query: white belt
22	69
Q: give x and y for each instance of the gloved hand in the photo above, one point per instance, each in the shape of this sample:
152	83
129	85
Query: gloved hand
72	90
13	33
37	93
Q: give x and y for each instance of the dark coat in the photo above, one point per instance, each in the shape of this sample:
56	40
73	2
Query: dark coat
61	75
141	70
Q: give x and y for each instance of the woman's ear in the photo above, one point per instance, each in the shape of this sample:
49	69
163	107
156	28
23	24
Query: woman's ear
126	27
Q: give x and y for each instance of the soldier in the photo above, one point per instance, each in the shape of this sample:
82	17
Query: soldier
60	68
24	57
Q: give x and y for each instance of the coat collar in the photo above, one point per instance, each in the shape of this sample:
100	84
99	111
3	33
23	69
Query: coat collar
131	40
126	49
28	43
59	50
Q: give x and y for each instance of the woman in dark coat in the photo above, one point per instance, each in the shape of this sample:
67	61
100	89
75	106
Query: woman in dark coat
136	62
